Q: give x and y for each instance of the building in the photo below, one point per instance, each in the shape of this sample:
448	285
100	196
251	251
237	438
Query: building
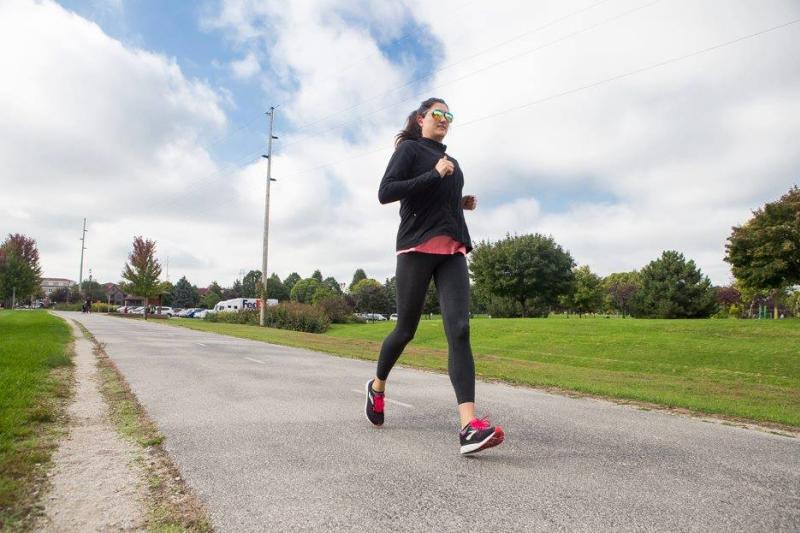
114	294
51	284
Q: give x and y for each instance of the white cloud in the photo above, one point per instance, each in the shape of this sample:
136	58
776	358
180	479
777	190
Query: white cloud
247	67
93	128
679	153
669	158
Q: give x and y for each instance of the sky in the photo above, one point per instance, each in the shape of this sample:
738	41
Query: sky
622	128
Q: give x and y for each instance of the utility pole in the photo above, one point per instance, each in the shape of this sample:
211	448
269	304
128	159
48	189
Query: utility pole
83	247
263	314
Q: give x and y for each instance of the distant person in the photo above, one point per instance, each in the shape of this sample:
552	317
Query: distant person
432	242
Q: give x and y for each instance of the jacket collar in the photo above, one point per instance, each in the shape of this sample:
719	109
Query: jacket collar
436	145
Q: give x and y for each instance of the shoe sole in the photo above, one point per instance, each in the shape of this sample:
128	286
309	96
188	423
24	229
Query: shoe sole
489	442
366	405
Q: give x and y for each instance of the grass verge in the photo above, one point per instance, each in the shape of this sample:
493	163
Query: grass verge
36	383
743	371
172	505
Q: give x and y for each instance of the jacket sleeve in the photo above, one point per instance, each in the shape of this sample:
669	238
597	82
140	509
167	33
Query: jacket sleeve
396	184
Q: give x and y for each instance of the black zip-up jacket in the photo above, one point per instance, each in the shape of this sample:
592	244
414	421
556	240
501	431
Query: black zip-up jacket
430	205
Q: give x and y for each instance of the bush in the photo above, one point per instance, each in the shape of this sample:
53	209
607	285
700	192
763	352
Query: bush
287	315
337	308
99	307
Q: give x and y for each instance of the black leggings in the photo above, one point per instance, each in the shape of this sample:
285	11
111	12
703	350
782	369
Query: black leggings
414	272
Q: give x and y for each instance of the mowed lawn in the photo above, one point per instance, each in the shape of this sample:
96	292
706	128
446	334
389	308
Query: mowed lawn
32	345
739	368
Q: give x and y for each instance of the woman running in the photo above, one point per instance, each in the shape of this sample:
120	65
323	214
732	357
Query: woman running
432	242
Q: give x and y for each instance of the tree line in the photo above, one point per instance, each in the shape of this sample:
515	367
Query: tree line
518	276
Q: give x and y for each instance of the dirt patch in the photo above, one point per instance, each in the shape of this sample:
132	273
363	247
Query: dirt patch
96	484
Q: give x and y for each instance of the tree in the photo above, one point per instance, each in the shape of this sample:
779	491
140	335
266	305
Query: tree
587	295
532	270
276	288
764	253
183	294
369	296
729	300
236	289
92	289
290	281
357	276
210	299
793	303
216	289
303	291
333	285
142	271
317	275
390	287
673	287
431	305
20	273
323	292
620	290
60	295
249	283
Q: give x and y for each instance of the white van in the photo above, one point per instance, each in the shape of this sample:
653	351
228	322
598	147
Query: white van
241	304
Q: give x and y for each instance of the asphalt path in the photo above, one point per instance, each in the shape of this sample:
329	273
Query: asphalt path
275	439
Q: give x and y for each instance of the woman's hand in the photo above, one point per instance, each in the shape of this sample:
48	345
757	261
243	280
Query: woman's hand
469	202
445	167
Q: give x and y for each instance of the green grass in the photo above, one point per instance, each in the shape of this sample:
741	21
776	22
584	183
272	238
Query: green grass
34	383
746	370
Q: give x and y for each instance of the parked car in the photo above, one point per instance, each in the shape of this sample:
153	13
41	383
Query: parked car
202	313
373	316
188	312
393	317
136	310
164	310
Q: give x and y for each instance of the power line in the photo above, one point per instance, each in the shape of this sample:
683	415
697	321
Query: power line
488	67
452	64
576	89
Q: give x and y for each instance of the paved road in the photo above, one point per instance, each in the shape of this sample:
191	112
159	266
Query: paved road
273	438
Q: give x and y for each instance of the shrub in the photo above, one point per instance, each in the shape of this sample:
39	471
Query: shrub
337	308
287	315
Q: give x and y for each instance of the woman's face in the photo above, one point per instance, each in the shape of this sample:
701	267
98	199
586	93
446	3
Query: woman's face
435	125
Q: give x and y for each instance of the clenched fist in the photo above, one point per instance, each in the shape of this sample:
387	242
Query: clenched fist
445	167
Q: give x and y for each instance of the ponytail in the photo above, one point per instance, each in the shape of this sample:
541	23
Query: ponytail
412	131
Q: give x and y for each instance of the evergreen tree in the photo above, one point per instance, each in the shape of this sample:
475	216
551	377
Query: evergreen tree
290	281
276	288
183	294
317	275
333	285
673	287
357	276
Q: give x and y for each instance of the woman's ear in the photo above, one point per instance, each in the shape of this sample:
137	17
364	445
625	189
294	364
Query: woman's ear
420	119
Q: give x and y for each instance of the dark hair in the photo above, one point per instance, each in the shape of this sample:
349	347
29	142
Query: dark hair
412	131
